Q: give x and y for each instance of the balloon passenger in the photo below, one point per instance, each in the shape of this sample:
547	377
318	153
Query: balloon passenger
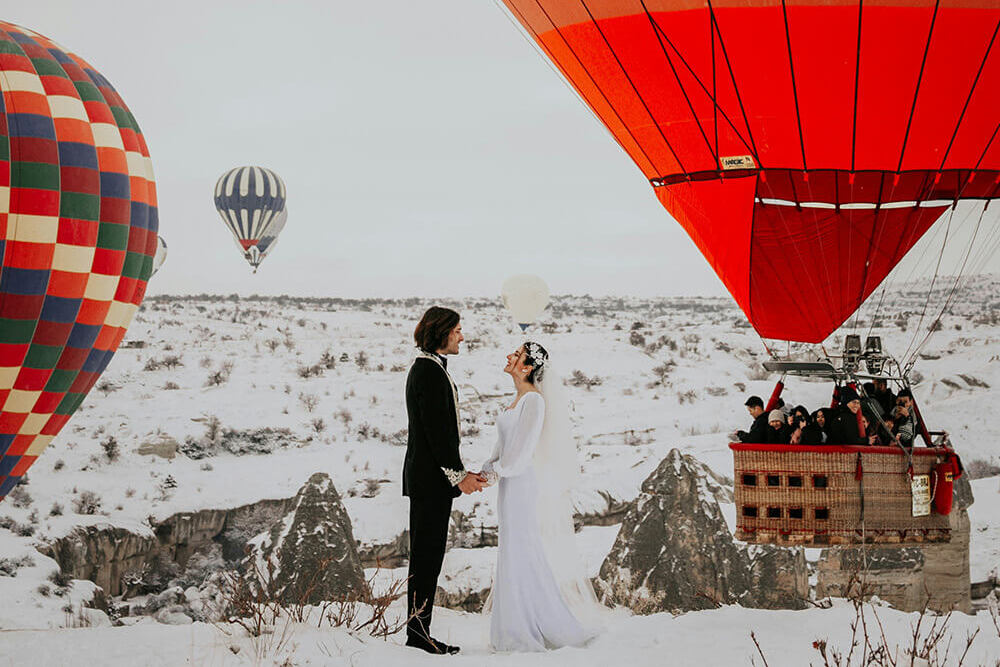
844	430
814	433
778	432
883	395
905	420
758	431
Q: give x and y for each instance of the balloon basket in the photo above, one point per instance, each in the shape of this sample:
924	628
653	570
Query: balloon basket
793	495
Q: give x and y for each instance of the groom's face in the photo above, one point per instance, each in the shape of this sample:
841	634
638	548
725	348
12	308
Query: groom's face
454	339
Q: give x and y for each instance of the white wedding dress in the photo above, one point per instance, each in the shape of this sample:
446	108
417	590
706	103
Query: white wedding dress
530	608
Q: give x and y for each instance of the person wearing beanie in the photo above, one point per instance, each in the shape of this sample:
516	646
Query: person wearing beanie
777	430
844	429
758	432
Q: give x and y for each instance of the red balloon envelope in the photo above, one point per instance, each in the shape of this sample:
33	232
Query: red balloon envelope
77	234
805	145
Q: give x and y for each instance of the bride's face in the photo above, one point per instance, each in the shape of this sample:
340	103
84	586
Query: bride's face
515	364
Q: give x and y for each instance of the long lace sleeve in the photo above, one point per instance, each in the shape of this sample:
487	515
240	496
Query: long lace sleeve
515	458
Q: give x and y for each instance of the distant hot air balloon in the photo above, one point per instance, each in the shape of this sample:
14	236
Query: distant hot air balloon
525	296
161	254
270	237
78	230
804	146
250	200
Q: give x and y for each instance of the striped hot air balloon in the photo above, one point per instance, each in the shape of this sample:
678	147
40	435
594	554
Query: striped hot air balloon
78	230
251	201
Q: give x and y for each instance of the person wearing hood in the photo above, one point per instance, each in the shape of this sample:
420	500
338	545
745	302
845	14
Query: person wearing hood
815	432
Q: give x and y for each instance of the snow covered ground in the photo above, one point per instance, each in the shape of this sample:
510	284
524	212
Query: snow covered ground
646	376
714	637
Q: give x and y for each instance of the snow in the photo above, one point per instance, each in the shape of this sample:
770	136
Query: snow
624	425
717	637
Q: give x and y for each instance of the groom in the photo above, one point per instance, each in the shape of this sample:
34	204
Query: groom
433	473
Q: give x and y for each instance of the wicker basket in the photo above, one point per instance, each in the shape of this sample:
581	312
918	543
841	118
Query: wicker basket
811	495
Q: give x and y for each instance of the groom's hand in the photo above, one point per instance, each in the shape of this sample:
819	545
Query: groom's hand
472	483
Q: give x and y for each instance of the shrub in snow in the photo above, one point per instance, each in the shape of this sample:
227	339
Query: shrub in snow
361	360
306	372
344	415
59	464
87	502
318	425
578	379
56	510
169	386
111	448
10	566
309	401
61	580
221	376
19	497
106	387
151	365
172	361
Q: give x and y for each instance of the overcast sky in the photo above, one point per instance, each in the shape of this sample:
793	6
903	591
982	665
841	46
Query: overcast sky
427	148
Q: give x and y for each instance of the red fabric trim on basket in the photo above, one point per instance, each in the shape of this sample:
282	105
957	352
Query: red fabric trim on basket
835	449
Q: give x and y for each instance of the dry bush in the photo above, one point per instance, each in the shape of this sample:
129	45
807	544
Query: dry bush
253	600
930	643
309	401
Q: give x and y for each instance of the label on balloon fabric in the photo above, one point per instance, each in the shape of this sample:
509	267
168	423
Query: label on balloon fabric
920	486
737	162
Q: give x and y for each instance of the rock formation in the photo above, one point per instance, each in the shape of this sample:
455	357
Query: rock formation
675	551
109	555
312	549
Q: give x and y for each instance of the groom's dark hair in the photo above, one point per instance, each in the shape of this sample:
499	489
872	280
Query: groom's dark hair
432	331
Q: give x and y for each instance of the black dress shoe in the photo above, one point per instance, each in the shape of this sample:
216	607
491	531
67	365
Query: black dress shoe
448	648
432	645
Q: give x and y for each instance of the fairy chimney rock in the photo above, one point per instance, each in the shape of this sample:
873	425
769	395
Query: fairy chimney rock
312	549
675	552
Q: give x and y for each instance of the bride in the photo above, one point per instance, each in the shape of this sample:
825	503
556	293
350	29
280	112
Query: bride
541	597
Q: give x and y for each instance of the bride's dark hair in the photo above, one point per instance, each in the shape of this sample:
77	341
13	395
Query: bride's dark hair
535	356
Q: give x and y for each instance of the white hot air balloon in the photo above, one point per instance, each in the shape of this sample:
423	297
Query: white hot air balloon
161	255
525	296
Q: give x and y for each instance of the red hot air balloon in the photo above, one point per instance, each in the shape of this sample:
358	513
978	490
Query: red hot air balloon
78	225
805	145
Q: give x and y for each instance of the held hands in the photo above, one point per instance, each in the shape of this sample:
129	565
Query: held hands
473	483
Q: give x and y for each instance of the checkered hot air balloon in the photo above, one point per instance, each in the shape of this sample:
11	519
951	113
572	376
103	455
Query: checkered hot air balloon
251	201
78	225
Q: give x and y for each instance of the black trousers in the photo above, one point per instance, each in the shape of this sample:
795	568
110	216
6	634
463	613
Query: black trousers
428	540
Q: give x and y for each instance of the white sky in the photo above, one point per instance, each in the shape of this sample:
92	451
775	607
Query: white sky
427	148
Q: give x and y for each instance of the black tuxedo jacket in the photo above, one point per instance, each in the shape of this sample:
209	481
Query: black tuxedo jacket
432	443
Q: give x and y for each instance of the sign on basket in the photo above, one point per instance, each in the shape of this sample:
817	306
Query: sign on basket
921	487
